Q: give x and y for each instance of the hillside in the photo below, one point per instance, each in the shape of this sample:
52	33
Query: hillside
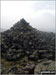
2	30
24	47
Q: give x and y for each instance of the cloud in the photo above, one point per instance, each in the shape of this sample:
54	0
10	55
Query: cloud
40	14
40	5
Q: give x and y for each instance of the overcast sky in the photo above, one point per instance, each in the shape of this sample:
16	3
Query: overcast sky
40	14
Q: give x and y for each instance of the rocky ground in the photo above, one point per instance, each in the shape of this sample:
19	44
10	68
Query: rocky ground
26	50
27	67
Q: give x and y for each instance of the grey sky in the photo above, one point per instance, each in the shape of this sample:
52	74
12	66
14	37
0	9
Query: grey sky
40	14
